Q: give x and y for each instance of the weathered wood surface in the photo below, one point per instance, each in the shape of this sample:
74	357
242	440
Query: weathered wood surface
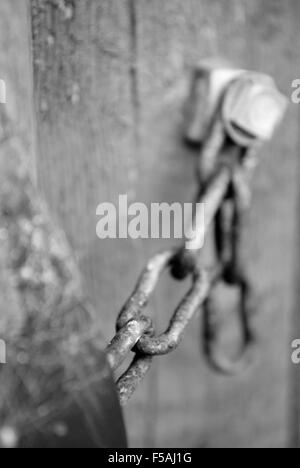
16	68
16	71
110	82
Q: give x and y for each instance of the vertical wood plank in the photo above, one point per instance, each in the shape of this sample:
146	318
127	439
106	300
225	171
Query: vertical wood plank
16	70
251	410
86	110
85	128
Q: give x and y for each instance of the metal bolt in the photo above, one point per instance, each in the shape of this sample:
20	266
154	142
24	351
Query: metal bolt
210	79
249	103
252	109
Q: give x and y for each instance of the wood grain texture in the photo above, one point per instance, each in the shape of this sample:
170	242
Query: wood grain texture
16	70
294	420
111	80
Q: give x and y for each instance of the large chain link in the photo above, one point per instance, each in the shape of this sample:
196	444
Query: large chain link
229	223
136	332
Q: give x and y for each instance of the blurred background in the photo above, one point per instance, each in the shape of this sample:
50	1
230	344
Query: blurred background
97	89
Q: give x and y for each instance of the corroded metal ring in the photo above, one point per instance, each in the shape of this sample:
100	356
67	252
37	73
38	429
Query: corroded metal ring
165	343
136	333
125	340
171	338
211	333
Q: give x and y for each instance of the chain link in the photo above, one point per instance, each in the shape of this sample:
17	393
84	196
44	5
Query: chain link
224	196
228	236
136	333
223	175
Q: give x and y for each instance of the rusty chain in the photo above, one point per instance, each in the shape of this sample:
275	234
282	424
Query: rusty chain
225	165
135	331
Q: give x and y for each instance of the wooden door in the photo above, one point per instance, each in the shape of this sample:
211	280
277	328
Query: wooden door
110	81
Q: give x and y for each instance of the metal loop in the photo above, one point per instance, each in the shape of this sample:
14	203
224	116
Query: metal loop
229	226
125	340
168	341
130	380
211	195
118	350
135	332
211	331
